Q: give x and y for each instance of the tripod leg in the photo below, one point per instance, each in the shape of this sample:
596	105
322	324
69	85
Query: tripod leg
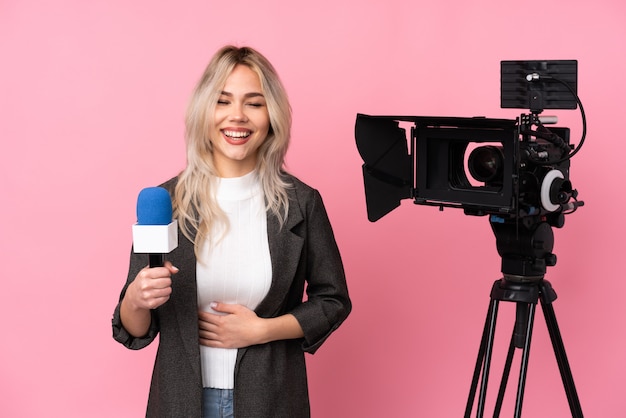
525	355
524	319
483	362
518	340
478	366
559	352
505	377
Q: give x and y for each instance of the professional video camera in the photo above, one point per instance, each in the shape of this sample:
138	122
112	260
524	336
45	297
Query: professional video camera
516	171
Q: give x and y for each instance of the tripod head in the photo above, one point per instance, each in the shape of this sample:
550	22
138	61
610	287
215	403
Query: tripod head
525	247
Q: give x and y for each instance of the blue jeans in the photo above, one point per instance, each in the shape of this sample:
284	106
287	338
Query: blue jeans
217	403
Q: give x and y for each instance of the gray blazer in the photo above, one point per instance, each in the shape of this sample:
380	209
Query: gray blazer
270	379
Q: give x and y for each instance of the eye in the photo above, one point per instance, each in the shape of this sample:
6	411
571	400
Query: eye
222	102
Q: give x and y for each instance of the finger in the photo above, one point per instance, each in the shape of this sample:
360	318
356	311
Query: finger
148	284
156	272
206	326
205	316
208	320
211	343
161	283
162	292
224	307
207	334
173	269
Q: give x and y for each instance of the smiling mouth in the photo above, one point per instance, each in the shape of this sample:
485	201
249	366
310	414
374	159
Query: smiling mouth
237	134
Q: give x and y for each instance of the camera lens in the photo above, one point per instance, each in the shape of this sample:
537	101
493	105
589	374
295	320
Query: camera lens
485	163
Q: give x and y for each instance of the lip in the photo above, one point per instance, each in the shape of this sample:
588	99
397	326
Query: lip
234	140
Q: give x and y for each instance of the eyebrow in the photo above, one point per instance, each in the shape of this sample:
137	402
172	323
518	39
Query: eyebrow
247	95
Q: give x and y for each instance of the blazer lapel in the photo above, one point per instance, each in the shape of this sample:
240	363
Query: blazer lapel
184	283
186	310
285	249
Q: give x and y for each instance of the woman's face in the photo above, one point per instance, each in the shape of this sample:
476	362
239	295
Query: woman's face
240	123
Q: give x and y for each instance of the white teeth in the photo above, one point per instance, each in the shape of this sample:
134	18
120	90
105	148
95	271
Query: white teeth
237	134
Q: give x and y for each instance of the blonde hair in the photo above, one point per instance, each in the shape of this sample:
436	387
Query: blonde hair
194	201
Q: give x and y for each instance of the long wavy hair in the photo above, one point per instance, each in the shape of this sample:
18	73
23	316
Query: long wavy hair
194	201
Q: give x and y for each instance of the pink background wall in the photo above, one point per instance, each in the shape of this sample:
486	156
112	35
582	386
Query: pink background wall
92	96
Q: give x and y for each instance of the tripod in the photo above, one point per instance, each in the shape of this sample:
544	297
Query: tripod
526	251
526	295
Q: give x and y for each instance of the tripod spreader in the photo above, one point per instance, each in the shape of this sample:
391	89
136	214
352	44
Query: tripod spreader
524	293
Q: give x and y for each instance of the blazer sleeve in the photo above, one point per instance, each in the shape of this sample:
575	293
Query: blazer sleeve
120	334
328	303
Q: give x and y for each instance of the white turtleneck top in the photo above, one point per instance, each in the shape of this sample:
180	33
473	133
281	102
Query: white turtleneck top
236	269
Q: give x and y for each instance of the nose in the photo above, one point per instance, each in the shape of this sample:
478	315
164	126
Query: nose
238	114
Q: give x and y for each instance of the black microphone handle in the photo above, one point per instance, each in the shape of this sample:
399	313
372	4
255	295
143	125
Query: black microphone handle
156	260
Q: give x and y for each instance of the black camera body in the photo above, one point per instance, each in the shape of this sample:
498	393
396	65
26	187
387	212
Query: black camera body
484	166
514	170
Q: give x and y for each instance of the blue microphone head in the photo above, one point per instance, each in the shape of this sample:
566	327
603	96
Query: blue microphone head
154	206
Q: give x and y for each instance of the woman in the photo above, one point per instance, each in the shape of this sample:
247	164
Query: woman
228	305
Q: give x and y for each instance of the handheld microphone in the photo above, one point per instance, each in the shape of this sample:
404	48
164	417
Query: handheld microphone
155	232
